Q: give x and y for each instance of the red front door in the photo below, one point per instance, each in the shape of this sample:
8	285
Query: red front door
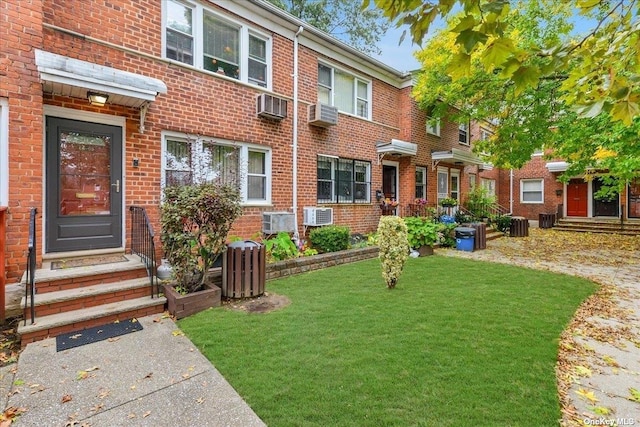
577	194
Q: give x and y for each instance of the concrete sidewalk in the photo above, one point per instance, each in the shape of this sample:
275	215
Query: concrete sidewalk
153	377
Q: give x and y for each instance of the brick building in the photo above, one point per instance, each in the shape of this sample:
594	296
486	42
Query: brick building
199	89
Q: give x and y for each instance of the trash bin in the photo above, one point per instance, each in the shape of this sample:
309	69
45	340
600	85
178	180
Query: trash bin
244	270
519	227
546	220
465	238
480	236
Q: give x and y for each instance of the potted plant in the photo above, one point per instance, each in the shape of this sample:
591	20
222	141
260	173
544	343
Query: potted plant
448	202
423	234
388	206
195	221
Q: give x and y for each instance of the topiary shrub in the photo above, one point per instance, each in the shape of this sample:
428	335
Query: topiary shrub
330	238
394	248
195	222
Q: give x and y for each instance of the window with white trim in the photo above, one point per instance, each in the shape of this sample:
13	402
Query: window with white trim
485	134
489	185
421	182
343	180
4	152
532	191
348	93
433	126
463	133
198	161
205	39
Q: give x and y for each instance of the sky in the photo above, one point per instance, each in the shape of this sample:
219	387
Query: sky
399	57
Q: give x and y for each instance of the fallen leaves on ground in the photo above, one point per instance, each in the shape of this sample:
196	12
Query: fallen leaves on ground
10	414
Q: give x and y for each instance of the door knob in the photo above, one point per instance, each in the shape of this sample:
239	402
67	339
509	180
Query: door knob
117	185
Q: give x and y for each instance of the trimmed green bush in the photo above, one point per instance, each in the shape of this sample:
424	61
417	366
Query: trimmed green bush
330	238
394	248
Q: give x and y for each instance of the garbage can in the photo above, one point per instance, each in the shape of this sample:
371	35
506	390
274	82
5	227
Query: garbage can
546	220
480	236
465	238
244	270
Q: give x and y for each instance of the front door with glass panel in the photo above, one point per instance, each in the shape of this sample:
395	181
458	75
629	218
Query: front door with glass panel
84	186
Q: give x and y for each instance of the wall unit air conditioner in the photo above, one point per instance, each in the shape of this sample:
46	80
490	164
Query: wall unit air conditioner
323	115
317	216
271	107
275	222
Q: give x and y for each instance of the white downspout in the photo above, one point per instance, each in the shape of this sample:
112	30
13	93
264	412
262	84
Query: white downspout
511	191
296	234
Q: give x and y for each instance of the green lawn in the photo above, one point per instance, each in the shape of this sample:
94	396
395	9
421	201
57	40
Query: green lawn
458	342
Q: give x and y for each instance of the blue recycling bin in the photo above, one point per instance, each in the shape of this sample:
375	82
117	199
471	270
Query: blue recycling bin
465	238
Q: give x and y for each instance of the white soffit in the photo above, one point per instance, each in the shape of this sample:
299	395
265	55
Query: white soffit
456	156
397	147
61	75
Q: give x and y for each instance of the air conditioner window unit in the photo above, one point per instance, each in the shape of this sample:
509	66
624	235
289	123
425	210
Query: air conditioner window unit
323	115
275	222
314	216
271	107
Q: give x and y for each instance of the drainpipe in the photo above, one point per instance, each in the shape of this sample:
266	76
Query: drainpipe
511	191
296	235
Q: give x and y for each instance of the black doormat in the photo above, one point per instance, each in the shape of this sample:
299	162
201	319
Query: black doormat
89	261
97	333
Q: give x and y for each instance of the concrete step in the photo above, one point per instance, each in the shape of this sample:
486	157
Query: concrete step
607	230
89	296
48	280
77	320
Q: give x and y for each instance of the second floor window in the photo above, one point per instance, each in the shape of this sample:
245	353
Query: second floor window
463	133
433	126
343	180
215	43
348	93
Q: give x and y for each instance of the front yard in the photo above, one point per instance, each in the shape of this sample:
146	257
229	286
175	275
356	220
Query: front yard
459	342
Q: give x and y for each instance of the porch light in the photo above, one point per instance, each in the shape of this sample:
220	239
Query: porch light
97	99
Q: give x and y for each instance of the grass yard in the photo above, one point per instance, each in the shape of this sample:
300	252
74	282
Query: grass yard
457	343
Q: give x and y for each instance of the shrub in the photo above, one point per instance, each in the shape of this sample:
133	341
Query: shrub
281	247
448	235
394	248
330	238
503	223
479	201
195	221
422	231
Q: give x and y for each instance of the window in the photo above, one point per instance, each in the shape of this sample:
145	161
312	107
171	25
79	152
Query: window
485	134
532	191
197	36
472	181
4	152
343	180
421	182
463	133
197	161
489	185
455	184
433	126
344	91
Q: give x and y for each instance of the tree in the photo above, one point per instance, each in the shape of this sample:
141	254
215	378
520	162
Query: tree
600	71
517	66
344	19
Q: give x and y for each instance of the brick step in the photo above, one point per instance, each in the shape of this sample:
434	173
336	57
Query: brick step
77	320
48	280
89	296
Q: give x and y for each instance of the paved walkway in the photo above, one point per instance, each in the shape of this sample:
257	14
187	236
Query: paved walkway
153	377
599	373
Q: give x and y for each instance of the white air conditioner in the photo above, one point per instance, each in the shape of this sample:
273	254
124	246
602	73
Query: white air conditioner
271	107
323	115
317	216
275	222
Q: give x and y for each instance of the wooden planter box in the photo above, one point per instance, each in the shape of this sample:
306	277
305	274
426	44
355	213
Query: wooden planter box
185	305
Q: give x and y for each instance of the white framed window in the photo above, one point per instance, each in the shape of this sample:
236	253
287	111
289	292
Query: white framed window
4	152
343	180
345	91
188	161
455	184
433	126
463	133
472	181
532	191
485	134
205	39
489	185
421	182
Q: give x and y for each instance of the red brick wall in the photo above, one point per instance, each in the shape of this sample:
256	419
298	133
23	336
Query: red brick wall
21	32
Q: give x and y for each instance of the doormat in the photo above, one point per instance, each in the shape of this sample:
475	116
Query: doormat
96	334
88	262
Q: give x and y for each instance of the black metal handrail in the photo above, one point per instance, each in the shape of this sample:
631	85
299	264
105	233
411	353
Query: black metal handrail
30	289
142	244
